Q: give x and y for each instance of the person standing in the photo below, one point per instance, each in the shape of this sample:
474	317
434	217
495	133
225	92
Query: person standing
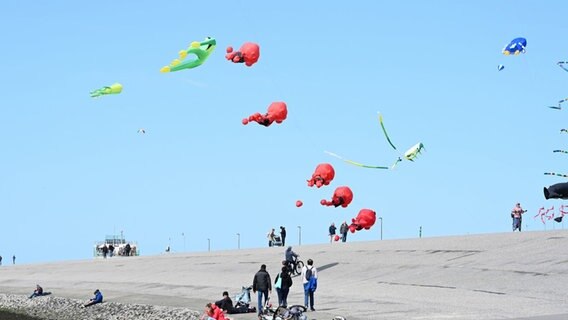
309	280
343	230
283	235
517	215
332	229
270	237
105	251
282	283
0	260
262	286
14	259
110	251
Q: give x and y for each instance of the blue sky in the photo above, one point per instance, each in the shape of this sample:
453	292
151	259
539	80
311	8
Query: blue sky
74	169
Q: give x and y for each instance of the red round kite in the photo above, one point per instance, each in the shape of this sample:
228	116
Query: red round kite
277	112
322	176
247	54
299	203
342	196
364	220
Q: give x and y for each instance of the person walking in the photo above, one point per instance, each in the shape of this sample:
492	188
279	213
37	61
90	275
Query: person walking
332	229
517	215
282	283
343	230
283	235
310	281
262	286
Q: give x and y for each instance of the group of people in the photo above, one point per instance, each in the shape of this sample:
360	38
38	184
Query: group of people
342	231
274	240
98	296
262	283
109	250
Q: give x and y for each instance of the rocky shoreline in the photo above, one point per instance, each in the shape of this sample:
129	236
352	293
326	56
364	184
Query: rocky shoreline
56	308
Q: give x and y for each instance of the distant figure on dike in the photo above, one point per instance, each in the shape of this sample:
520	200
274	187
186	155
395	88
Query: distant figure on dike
283	235
14	259
517	215
98	298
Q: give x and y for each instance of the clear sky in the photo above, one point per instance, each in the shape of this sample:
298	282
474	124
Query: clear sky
74	169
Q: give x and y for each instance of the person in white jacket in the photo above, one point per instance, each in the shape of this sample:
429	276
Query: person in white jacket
309	280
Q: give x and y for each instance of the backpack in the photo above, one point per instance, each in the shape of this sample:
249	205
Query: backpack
308	273
278	284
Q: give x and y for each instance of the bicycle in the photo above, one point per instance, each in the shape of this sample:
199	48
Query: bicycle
295	268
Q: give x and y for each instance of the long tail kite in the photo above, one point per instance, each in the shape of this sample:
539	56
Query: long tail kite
556	174
385	131
355	163
409	155
561	151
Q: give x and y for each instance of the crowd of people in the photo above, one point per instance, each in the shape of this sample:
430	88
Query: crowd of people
110	250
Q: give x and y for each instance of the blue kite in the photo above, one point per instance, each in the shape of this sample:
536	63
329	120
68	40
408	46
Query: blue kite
515	47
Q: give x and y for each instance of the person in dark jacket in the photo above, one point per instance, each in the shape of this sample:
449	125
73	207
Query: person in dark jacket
263	285
343	230
283	235
283	282
226	303
332	229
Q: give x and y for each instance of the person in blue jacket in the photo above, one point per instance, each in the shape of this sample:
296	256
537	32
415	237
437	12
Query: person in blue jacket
97	299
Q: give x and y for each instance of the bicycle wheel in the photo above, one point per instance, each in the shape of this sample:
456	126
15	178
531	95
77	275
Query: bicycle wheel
299	266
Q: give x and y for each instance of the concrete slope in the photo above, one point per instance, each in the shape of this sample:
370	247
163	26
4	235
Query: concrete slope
489	276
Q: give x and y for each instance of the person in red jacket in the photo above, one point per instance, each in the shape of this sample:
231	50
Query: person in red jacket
212	312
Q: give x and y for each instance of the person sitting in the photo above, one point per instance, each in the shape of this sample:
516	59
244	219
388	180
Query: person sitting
97	299
226	303
37	292
212	312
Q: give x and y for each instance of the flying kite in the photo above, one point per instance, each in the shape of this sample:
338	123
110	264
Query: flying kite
342	196
299	203
364	220
322	176
277	112
562	214
515	47
556	191
561	65
562	151
544	214
201	50
247	54
500	67
409	154
560	102
142	131
113	89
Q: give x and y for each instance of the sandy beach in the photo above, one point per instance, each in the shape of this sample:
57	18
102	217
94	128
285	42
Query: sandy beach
488	276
